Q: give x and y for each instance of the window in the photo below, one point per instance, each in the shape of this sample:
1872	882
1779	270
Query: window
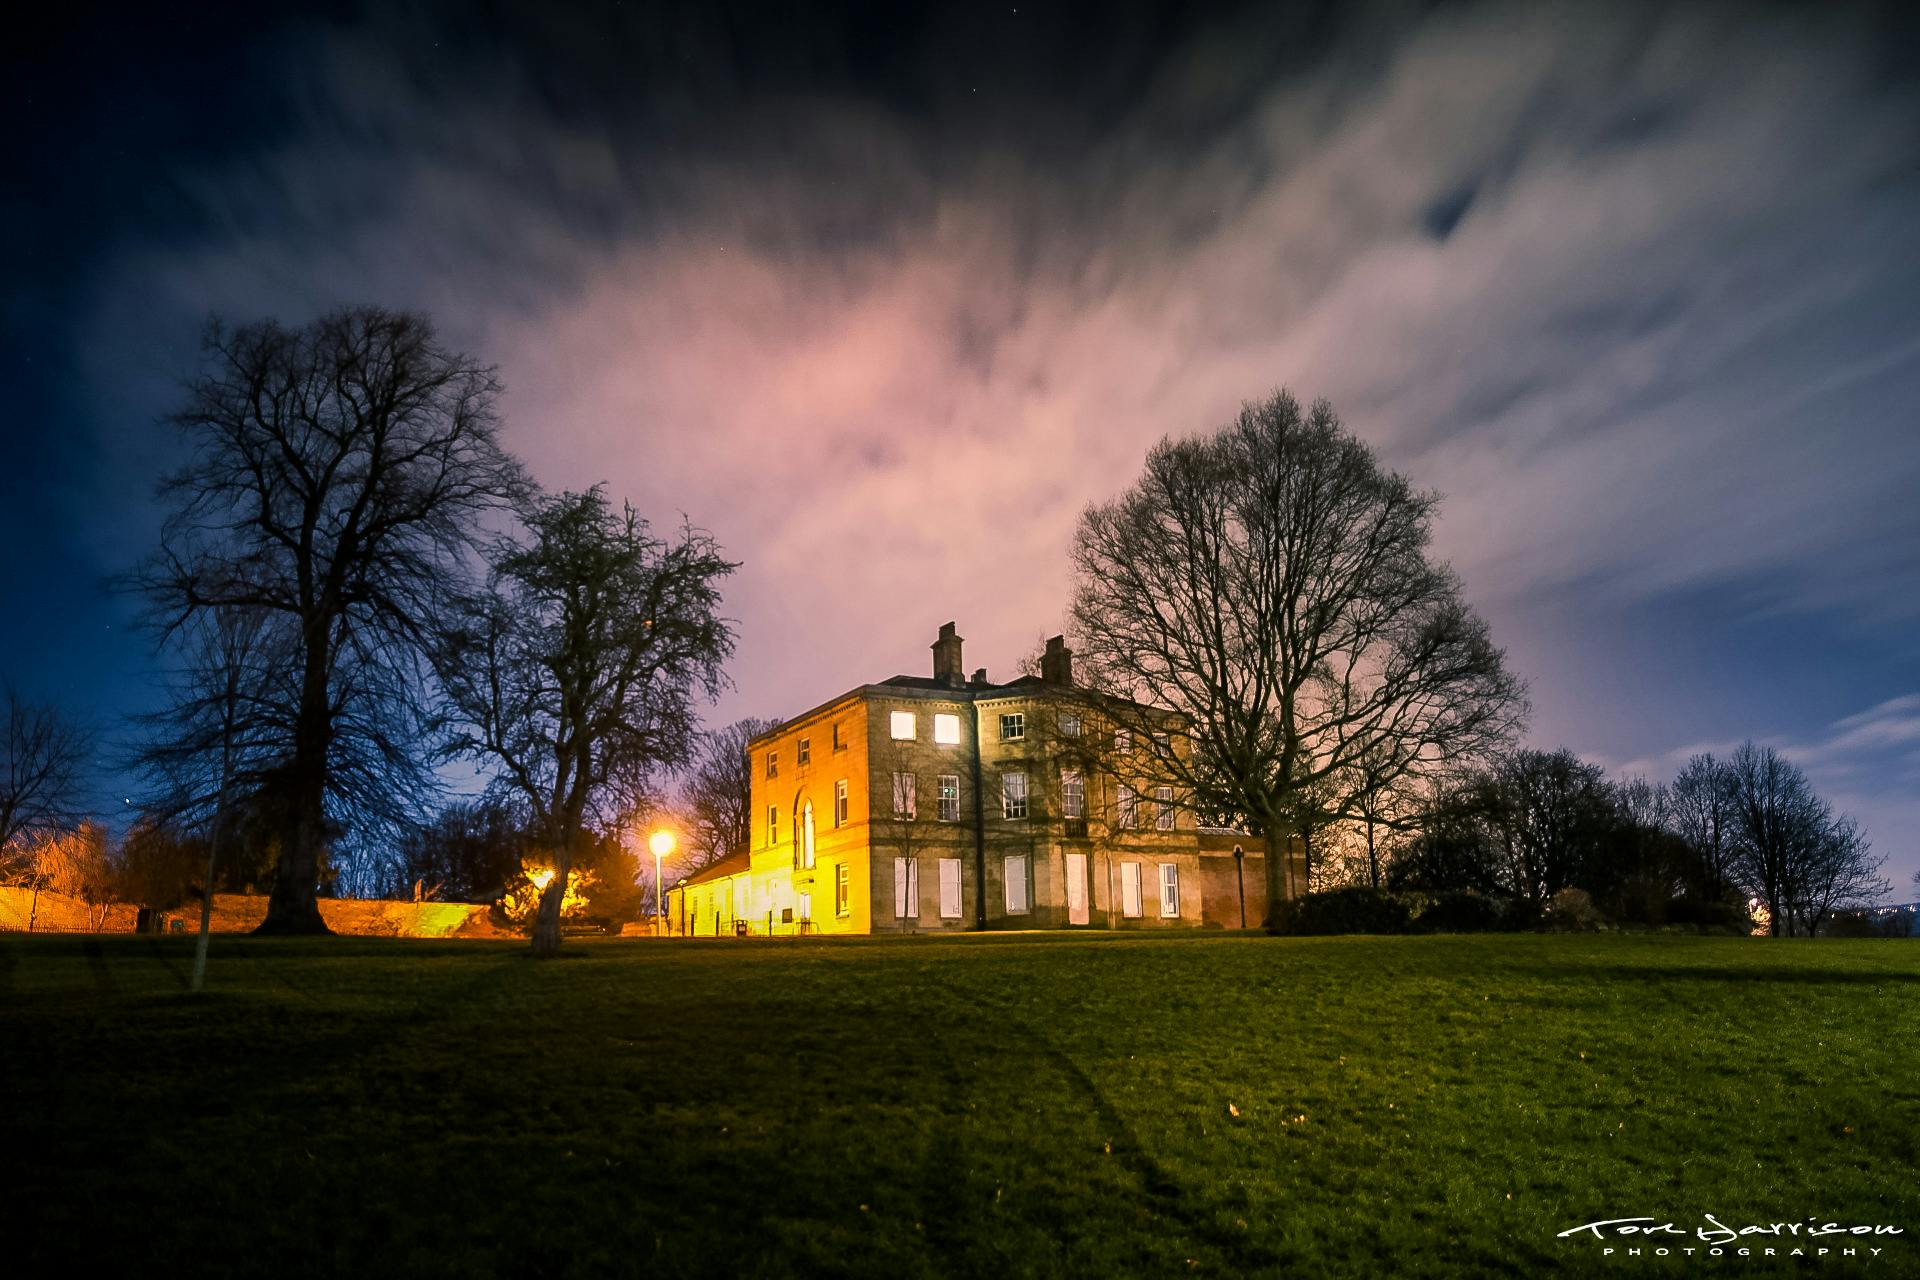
1130	889
903	726
803	753
949	797
839	743
840	803
1013	795
739	896
1163	814
1016	881
906	888
1013	727
1169	890
1163	746
904	786
1073	794
843	890
773	825
806	906
1123	742
1069	725
1127	809
946	729
804	853
949	888
773	764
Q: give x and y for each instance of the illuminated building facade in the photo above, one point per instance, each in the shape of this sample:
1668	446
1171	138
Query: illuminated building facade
951	803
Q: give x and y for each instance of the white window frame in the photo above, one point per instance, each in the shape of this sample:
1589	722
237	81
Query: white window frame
841	808
804	900
952	889
1123	742
1163	746
1163	809
1130	890
803	751
773	764
1069	725
1013	875
1126	808
946	729
949	792
905	797
1169	891
843	890
806	834
1013	796
903	720
1013	726
1073	795
773	825
906	888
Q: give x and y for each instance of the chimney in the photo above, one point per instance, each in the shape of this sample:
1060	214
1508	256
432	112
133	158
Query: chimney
946	657
1056	664
980	676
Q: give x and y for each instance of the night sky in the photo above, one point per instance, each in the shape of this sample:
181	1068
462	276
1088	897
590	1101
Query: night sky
885	298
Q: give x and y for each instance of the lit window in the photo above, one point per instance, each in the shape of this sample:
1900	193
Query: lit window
903	726
1130	889
805	852
1163	816
1169	890
949	888
1013	795
946	729
773	825
1016	881
1123	742
840	803
1163	746
906	889
1128	809
1073	794
904	786
1013	727
949	797
1069	725
843	890
773	764
803	753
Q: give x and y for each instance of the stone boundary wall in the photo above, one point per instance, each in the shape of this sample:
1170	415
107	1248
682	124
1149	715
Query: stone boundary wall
239	913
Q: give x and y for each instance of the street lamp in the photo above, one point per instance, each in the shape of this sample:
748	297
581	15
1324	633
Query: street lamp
661	842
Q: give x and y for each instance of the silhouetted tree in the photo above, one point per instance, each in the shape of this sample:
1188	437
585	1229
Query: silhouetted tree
717	796
42	755
336	477
576	672
470	852
1271	585
1700	811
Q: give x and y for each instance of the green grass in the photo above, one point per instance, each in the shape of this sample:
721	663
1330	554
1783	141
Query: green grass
988	1105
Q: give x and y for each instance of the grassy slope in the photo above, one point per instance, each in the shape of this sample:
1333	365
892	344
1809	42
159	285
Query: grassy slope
979	1105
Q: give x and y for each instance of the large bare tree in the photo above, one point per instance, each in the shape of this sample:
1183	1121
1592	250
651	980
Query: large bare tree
337	474
43	756
1271	585
1790	849
575	675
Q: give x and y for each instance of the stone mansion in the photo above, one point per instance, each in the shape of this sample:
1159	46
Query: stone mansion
950	803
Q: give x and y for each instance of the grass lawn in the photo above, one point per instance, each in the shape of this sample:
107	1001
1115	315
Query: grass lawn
986	1105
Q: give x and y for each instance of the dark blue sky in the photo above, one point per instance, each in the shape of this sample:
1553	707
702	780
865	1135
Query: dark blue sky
885	298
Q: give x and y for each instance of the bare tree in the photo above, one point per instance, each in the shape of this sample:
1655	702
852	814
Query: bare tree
1270	584
575	674
1700	810
42	757
1840	873
336	477
717	796
1790	849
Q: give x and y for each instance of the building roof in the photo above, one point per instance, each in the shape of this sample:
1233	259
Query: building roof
732	865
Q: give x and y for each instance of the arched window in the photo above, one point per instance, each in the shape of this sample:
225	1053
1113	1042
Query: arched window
805	850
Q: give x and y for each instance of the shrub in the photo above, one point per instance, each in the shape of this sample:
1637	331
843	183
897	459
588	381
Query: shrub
1572	910
1351	910
1728	917
1464	912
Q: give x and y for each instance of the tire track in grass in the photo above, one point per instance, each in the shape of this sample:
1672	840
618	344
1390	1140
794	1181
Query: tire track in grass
1163	1191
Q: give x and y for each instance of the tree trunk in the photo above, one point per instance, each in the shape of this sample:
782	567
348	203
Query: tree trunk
294	908
1278	871
546	919
1373	858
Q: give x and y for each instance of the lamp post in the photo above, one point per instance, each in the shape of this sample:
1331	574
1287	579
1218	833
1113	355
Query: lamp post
661	842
